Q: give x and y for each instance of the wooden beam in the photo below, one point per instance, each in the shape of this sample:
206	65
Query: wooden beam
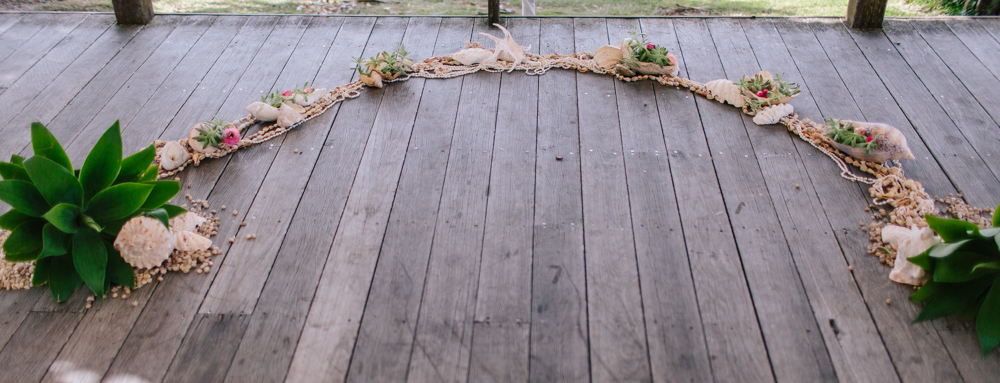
494	12
865	13
133	11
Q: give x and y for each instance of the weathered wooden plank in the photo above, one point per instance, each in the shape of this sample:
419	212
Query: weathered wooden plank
559	327
501	330
22	31
669	300
845	202
992	25
239	281
158	332
856	350
207	351
979	41
444	325
267	347
618	346
14	307
36	47
31	350
9	19
388	326
969	172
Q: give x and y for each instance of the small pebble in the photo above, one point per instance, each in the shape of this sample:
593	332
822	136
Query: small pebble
797	186
135	303
232	239
223	207
235	212
850	268
87	306
888	301
558	158
248	236
189	186
296	151
253	236
243	224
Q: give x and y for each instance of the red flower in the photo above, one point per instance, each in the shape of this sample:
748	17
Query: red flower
650	46
286	93
869	139
762	93
231	136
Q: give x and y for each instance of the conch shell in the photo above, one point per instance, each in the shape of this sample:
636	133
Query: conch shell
144	242
173	155
288	116
506	49
471	56
197	145
306	100
772	114
373	80
263	111
607	57
725	91
908	242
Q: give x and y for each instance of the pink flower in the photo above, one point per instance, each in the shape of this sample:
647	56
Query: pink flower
869	139
673	59
650	46
762	93
286	93
309	90
231	136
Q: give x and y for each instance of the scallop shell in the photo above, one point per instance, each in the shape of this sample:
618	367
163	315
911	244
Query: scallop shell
471	56
725	91
173	155
607	57
287	116
772	114
144	242
263	111
191	241
197	145
186	222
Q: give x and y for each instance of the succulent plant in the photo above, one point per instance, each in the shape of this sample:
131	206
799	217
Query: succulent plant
66	220
965	276
644	51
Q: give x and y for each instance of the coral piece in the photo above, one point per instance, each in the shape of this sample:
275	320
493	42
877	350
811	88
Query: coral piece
263	111
471	56
725	91
144	242
772	114
288	116
607	57
173	155
506	49
194	133
908	242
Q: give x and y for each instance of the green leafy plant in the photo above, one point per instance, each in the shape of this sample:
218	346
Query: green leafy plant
965	276
388	64
763	89
644	51
66	220
845	133
212	134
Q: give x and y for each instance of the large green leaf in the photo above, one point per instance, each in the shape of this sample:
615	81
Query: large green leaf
90	258
26	238
54	242
16	160
958	267
151	173
23	257
65	217
952	230
118	201
119	271
114	226
12	219
63	278
46	145
134	166
23	196
161	215
162	192
41	275
988	320
945	249
103	163
55	183
943	299
996	217
9	171
924	260
173	210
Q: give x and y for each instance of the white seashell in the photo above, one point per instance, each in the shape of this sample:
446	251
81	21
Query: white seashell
197	145
607	57
263	111
297	108
626	47
287	116
772	114
506	49
191	241
471	56
173	155
725	91
909	242
186	222
144	242
316	94
299	99
374	80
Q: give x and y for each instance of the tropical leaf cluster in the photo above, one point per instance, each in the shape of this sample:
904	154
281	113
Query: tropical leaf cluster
845	133
66	219
767	89
643	51
965	271
388	64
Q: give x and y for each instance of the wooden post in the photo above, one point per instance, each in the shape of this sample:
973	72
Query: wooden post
133	11
494	12
866	13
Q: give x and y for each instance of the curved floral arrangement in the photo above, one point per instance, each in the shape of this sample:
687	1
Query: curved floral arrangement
963	260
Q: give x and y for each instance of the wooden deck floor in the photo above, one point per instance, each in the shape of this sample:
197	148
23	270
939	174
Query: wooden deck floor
429	232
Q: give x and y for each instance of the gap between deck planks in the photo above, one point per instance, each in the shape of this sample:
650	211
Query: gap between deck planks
484	318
